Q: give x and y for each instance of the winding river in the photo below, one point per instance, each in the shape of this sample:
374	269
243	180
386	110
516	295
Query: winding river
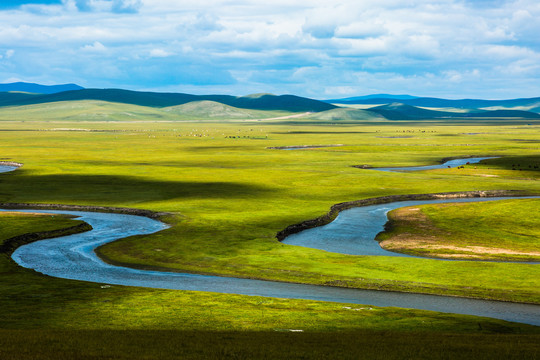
447	164
73	257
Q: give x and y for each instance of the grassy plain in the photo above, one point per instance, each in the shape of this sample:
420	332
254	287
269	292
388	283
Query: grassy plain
229	195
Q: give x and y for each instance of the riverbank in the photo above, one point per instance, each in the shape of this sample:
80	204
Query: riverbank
11	164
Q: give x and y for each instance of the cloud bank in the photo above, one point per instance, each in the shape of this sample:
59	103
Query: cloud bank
446	48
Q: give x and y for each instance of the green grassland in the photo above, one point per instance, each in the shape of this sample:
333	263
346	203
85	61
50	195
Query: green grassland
229	194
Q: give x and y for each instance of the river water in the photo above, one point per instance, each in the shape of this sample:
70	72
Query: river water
5	168
447	164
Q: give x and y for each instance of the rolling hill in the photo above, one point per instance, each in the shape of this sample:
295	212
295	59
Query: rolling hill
345	114
207	109
85	110
290	103
97	110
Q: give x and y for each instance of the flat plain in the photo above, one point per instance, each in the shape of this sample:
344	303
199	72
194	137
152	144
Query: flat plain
228	194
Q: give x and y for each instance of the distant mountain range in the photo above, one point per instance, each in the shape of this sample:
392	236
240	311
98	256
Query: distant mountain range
383	106
529	104
401	111
359	99
37	88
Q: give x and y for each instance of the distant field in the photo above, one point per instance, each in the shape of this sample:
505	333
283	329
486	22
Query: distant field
229	194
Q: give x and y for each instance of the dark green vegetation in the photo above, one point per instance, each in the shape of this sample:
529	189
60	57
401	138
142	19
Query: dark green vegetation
502	230
229	195
167	344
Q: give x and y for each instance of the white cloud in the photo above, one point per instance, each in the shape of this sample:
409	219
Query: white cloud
95	47
308	47
159	53
361	29
11	80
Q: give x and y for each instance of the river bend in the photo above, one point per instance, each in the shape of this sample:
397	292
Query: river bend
354	230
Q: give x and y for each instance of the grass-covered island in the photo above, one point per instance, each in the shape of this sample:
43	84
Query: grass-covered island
488	231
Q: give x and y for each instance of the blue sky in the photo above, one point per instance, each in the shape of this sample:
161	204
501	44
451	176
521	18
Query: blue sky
10	4
321	49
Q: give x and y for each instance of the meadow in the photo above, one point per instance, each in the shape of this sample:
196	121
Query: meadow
228	194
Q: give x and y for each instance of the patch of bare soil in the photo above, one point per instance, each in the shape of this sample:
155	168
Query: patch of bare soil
405	242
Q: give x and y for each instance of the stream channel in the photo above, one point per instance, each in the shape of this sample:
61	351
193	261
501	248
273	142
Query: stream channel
73	257
447	164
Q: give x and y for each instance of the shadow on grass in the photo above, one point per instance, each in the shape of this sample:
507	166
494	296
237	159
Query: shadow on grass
277	344
529	163
22	187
